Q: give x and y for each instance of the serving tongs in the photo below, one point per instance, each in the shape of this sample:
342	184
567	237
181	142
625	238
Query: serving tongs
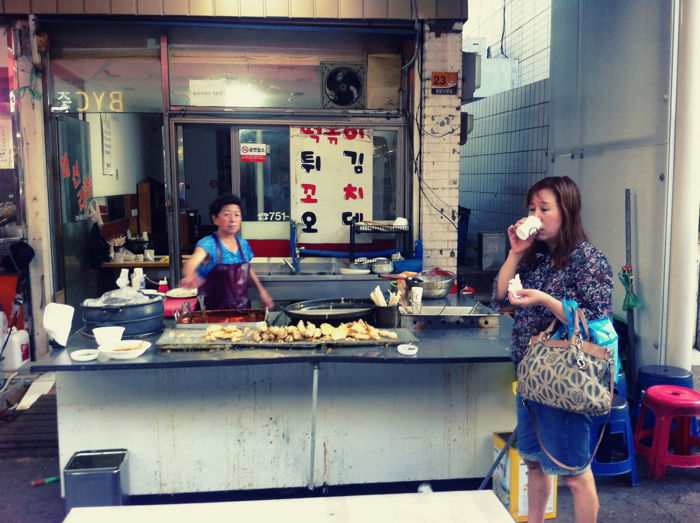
202	307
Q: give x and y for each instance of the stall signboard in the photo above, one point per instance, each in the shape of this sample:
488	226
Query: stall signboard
253	152
331	181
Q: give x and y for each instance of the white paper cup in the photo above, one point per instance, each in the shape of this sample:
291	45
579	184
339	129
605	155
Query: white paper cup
106	336
118	257
529	227
416	296
57	321
149	255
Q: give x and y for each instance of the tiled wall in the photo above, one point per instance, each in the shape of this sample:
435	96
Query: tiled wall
380	9
526	38
503	156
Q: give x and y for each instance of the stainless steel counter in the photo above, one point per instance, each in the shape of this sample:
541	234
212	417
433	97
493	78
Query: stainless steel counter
434	346
198	421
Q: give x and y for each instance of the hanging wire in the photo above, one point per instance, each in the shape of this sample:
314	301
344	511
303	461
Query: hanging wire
31	87
416	25
503	30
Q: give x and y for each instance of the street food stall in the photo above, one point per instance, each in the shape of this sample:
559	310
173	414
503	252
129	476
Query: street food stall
237	413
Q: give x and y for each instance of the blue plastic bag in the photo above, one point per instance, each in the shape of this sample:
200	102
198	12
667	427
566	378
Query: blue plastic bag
601	331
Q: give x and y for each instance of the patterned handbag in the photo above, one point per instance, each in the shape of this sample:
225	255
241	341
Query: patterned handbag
574	374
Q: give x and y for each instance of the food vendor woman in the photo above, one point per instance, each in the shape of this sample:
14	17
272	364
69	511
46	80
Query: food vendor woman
220	265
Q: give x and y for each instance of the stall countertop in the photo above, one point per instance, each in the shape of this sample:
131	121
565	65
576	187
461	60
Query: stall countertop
437	345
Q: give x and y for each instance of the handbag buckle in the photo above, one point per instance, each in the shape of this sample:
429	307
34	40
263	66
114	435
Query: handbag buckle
580	362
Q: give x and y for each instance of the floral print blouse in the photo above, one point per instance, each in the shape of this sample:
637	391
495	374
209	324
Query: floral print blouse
587	279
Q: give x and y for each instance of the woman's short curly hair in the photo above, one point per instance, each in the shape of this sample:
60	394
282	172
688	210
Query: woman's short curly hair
222	201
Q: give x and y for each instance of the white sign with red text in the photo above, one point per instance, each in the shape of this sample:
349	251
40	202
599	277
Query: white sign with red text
253	152
331	181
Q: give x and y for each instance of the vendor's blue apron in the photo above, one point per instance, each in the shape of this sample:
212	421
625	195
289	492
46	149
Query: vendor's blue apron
226	286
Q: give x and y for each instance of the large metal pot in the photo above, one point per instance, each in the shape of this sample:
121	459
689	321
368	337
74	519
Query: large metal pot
138	320
435	284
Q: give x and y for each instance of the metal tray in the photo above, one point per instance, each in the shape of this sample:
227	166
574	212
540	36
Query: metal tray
200	320
450	317
189	339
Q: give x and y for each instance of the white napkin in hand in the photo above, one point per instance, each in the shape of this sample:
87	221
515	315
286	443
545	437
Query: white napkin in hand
57	321
515	285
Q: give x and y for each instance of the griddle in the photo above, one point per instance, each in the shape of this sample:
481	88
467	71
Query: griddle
192	339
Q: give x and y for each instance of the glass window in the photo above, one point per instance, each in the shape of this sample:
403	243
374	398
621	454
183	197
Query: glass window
384	168
254	162
103	68
262	68
264	174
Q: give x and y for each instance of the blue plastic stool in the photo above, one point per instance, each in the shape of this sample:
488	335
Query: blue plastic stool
618	424
660	375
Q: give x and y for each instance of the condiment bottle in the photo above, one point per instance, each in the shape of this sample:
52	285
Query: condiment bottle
163	285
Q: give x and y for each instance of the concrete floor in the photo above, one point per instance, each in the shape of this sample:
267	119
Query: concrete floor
675	499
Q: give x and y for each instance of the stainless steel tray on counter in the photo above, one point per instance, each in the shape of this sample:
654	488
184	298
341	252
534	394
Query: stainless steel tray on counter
191	339
198	320
449	316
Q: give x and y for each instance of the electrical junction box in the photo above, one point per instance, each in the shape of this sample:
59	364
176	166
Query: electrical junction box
492	250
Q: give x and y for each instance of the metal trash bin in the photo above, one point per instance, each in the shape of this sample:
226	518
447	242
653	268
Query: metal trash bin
94	478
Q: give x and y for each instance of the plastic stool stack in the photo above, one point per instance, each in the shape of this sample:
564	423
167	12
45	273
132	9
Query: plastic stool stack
621	385
617	424
651	375
668	403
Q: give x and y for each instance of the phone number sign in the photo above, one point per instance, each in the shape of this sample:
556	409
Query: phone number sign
443	83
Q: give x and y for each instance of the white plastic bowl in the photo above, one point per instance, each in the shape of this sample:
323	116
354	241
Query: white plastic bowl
125	349
107	336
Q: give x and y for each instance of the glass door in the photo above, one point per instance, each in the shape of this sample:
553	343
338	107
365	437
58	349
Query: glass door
262	169
75	273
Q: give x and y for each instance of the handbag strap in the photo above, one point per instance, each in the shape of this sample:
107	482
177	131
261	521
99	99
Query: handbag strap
600	437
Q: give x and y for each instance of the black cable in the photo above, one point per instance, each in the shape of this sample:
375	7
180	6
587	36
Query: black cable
9	333
503	31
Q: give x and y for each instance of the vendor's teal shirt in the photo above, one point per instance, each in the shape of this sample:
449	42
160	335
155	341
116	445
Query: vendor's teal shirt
209	244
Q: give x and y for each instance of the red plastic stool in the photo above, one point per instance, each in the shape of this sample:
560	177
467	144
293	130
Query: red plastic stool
668	402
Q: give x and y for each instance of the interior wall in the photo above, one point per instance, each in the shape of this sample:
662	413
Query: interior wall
124	139
609	84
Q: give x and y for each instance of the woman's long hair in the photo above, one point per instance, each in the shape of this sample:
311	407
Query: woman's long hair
571	231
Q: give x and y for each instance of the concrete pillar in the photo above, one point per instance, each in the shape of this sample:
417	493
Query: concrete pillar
682	274
439	146
36	197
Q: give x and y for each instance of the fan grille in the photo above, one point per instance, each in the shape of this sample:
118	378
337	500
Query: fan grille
343	85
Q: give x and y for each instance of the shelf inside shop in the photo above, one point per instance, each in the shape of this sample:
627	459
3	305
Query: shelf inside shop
372	228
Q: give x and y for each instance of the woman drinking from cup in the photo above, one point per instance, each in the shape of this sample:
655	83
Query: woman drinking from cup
555	262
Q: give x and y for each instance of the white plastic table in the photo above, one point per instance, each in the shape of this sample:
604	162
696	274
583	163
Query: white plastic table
446	507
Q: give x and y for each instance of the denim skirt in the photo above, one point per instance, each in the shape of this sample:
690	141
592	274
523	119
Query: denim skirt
565	435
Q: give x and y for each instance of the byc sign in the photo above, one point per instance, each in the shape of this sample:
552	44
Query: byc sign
90	101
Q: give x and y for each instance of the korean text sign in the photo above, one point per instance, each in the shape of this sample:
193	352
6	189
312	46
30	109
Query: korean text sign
331	181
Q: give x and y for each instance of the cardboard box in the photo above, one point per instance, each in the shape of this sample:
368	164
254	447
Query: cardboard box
510	481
